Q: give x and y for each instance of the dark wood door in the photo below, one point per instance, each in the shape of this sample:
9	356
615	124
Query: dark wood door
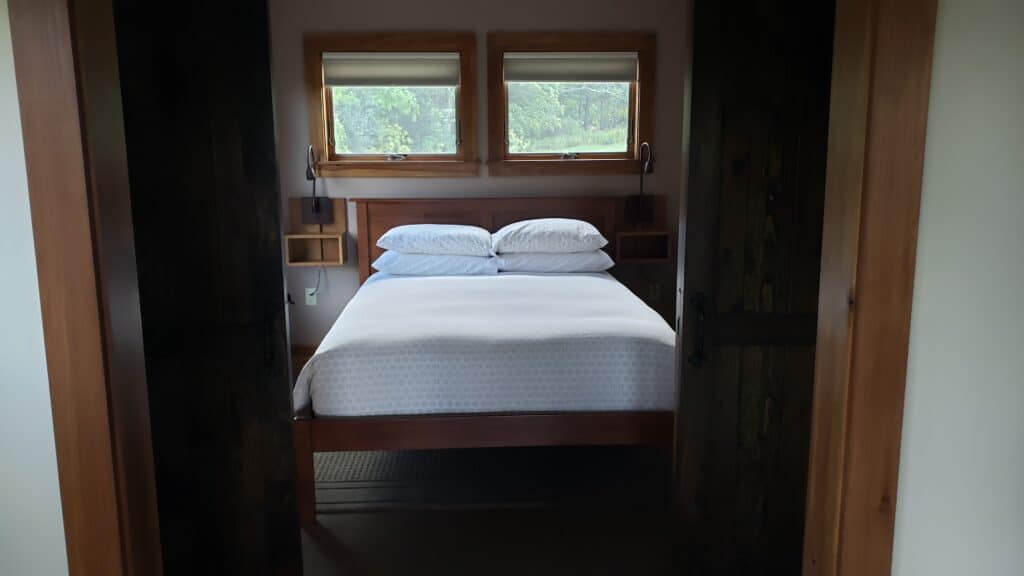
199	122
753	221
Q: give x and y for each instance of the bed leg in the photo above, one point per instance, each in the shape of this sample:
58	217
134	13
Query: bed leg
305	490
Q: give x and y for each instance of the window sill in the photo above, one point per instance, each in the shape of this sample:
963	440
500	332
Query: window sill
399	169
563	167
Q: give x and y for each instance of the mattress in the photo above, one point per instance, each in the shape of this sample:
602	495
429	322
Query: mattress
486	344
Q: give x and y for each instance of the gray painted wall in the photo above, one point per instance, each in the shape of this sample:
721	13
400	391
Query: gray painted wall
961	489
291	19
31	525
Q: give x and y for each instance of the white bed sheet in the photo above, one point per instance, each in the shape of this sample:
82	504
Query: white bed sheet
506	343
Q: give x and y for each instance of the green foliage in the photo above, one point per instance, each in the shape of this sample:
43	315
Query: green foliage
535	112
394	120
561	117
544	117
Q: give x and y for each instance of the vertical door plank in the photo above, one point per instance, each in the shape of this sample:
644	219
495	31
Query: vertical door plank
723	468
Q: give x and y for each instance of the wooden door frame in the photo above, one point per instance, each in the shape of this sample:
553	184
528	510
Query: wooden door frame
881	78
66	69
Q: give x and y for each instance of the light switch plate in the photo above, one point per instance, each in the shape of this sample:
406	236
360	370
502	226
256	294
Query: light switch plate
310	296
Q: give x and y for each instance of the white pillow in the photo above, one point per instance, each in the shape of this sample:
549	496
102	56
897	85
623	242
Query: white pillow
548	235
593	261
435	264
437	239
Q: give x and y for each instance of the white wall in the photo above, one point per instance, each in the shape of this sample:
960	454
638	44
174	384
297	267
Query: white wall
31	525
961	490
290	19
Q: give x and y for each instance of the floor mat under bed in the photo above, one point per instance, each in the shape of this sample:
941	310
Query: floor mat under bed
628	476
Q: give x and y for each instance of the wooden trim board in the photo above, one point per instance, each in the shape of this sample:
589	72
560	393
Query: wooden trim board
70	99
880	89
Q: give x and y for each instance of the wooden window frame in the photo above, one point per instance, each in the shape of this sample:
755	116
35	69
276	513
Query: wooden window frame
642	101
464	162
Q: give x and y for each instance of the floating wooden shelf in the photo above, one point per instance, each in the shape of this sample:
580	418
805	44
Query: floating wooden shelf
639	246
314	245
314	249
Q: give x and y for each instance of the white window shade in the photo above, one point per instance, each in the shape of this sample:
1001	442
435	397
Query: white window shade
571	66
391	69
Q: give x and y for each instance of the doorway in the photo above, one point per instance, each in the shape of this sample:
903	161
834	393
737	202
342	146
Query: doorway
230	322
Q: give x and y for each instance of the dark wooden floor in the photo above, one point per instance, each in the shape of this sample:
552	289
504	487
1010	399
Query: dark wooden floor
564	510
497	541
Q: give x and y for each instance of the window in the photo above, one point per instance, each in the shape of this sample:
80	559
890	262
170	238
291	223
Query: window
393	105
569	103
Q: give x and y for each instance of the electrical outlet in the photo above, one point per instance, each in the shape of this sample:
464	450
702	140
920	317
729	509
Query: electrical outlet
310	296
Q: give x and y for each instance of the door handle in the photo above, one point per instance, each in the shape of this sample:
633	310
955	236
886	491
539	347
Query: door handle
699	303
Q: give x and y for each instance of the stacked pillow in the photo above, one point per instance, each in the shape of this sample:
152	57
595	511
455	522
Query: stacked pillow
552	245
436	250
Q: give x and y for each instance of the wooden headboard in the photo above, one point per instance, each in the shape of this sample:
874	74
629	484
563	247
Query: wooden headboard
377	216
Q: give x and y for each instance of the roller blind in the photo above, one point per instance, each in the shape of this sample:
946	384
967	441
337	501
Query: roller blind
570	66
391	69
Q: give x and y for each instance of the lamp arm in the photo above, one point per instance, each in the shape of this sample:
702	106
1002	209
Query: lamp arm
311	175
646	165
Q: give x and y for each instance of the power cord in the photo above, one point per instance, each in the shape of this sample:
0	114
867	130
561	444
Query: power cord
318	274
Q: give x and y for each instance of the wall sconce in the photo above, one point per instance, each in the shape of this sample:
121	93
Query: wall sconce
314	211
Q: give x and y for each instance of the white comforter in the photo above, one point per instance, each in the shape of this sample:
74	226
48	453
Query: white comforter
506	343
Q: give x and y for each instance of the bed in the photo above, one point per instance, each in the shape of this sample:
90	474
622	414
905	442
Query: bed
484	361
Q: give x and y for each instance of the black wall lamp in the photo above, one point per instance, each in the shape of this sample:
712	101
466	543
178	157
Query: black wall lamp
640	207
315	211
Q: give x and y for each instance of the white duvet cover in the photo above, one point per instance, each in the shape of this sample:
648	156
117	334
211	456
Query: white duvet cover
505	343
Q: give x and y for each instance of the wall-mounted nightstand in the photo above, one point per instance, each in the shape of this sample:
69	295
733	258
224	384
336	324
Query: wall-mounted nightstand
314	250
316	245
643	246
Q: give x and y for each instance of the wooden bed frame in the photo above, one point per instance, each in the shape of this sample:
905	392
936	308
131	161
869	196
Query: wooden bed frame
437	431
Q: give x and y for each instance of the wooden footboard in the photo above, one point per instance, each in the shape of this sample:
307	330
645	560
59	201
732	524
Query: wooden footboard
468	431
